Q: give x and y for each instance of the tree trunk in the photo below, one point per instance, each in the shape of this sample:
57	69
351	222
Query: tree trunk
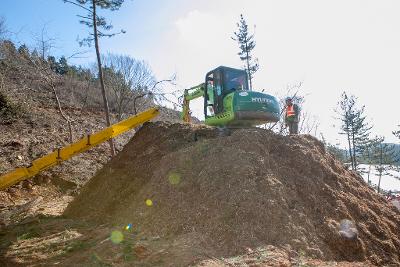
248	67
101	77
354	148
353	133
380	167
134	102
121	106
120	112
62	114
348	139
369	163
369	171
379	182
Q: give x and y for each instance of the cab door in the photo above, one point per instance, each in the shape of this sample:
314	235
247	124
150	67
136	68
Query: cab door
209	96
213	100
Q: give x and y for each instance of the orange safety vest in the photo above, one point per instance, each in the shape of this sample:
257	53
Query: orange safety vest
290	111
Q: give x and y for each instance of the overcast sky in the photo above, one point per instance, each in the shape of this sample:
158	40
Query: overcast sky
330	46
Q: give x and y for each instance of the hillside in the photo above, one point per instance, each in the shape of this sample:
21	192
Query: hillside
31	124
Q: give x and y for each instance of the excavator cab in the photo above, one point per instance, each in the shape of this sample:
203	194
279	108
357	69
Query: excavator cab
219	83
229	102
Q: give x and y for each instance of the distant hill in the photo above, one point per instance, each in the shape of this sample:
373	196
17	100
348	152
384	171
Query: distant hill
396	148
342	154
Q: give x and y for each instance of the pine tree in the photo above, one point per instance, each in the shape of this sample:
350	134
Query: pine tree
3	28
51	60
354	127
100	27
360	134
397	133
384	156
35	55
62	66
368	154
346	106
8	50
24	51
246	44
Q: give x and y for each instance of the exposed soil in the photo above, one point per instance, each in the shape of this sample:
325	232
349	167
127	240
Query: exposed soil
216	194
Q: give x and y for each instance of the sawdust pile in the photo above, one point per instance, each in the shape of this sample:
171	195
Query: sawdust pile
241	189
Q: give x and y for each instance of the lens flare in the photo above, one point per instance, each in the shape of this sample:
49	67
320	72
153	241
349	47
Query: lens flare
116	237
347	229
149	202
174	178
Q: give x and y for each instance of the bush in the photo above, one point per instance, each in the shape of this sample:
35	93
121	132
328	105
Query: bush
9	111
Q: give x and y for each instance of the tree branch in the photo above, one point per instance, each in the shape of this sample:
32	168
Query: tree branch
76	4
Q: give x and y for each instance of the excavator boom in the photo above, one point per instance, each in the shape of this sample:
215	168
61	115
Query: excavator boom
190	94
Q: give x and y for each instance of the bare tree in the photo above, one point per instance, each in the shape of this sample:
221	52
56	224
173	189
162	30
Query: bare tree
128	78
132	83
28	68
308	124
397	166
3	28
384	157
99	25
44	43
279	126
158	95
87	78
51	79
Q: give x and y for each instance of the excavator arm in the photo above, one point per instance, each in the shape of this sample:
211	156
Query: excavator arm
190	94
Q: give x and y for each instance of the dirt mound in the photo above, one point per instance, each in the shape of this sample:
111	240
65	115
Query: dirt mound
238	189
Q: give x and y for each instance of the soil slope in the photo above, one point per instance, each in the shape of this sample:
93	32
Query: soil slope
224	191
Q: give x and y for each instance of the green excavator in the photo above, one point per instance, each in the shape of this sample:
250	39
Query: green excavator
228	101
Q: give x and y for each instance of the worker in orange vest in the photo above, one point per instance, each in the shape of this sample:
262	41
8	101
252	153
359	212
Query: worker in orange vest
292	116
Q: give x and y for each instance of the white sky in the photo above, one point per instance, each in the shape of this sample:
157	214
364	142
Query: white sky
330	46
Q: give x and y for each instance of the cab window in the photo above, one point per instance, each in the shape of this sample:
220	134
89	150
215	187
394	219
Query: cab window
235	80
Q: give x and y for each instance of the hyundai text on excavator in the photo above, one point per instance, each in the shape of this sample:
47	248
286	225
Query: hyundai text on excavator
228	101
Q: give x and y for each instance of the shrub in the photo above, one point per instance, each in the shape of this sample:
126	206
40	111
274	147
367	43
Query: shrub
9	111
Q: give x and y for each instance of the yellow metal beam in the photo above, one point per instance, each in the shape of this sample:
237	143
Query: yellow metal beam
73	149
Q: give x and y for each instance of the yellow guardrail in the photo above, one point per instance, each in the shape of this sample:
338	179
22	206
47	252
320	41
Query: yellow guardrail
73	149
